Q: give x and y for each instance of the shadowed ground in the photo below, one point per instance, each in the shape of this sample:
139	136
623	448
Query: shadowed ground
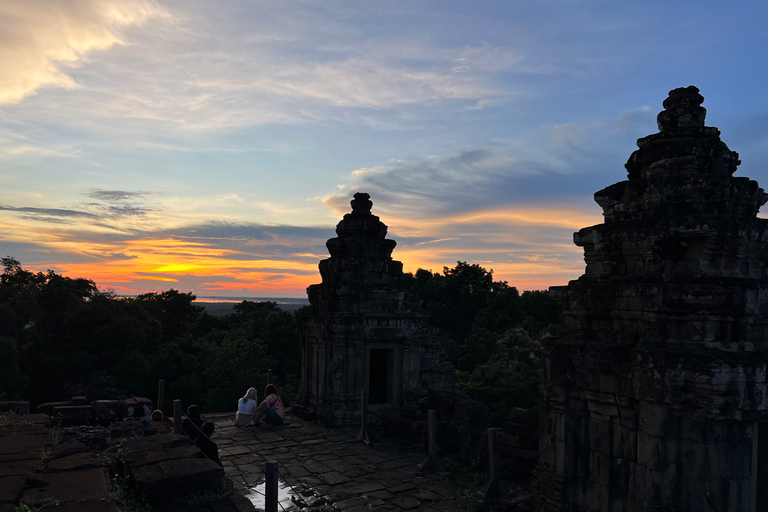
351	475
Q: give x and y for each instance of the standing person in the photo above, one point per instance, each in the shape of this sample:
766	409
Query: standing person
246	408
271	408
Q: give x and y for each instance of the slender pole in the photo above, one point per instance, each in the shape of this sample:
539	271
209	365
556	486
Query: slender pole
177	417
493	459
494	491
431	464
160	394
270	492
363	434
432	429
269	377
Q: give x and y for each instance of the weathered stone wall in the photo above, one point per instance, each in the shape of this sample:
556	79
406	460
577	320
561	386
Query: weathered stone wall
653	400
363	303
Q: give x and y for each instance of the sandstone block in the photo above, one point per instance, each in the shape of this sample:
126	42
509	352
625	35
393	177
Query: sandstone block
107	411
72	415
17	406
177	478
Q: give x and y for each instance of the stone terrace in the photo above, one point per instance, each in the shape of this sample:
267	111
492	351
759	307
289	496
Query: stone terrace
351	475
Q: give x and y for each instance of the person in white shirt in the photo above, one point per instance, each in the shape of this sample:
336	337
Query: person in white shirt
246	408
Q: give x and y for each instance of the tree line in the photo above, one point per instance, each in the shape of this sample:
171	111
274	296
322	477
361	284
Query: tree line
61	337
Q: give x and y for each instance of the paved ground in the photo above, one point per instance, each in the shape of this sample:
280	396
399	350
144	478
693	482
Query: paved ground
351	475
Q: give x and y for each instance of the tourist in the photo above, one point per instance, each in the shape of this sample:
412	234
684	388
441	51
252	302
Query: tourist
271	408
193	423
246	408
157	422
203	441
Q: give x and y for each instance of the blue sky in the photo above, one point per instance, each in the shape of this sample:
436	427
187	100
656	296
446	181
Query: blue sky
212	147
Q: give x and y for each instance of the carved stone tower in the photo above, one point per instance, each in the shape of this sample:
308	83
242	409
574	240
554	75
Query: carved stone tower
656	399
366	330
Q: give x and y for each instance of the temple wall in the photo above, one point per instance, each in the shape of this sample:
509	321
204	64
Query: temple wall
363	305
653	400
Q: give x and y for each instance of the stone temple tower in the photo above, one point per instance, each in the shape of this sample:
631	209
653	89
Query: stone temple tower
656	399
366	330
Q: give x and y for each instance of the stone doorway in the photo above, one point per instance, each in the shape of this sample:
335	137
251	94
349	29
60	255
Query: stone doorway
761	483
382	365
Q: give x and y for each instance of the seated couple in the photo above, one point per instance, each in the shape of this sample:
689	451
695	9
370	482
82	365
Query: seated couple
249	414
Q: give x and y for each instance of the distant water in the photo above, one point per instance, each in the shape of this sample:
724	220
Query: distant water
219	306
280	300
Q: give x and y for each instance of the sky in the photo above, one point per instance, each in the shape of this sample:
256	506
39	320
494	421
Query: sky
213	146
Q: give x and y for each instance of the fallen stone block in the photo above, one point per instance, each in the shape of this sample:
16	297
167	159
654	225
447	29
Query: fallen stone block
47	407
69	447
11	487
87	506
72	415
15	448
31	422
17	406
178	478
127	428
106	412
68	486
74	462
156	449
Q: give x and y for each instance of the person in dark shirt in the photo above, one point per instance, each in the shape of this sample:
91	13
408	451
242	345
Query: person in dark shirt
208	447
193	422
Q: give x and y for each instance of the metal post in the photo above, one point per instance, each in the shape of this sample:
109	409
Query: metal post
363	434
431	464
270	487
494	491
160	394
177	417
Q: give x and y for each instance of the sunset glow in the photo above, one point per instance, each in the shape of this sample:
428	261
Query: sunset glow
149	145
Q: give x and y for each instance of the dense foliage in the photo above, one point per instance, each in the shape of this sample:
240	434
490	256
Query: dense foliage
489	332
61	337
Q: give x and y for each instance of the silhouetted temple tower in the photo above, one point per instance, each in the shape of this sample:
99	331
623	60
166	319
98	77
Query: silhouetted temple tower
366	330
656	400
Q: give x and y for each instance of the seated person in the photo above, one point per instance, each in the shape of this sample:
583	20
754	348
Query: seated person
193	422
246	408
157	422
271	408
208	447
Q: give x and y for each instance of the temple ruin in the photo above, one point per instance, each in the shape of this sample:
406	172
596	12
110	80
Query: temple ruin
366	330
656	399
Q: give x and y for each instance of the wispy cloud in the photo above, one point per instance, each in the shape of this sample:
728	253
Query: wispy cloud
117	196
48	212
41	38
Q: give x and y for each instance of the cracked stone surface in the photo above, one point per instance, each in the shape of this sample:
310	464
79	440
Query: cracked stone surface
348	473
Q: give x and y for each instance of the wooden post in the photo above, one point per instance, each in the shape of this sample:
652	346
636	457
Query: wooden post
431	464
177	417
269	377
270	487
160	395
494	491
363	434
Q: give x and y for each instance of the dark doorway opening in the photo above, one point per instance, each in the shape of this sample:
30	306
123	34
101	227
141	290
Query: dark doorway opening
761	487
380	368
